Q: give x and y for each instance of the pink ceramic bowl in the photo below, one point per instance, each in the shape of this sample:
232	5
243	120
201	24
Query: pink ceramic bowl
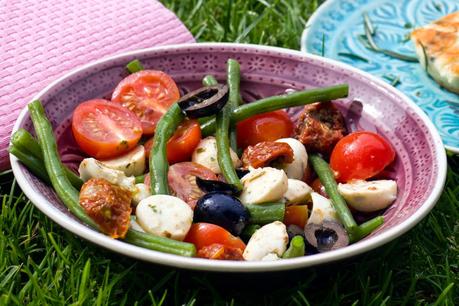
420	167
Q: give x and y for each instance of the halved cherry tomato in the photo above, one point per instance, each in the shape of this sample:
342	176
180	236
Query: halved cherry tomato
264	127
104	129
319	188
206	234
221	252
297	215
149	94
182	181
182	144
361	155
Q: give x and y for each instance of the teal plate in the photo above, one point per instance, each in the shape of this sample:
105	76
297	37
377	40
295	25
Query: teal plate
337	25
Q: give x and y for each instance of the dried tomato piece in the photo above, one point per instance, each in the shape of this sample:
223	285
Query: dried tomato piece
319	127
108	205
265	153
221	252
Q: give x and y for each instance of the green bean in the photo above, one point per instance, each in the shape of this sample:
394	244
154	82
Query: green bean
266	212
56	172
209	80
273	103
24	142
134	66
31	162
234	96
296	248
223	147
368	227
328	181
159	165
160	243
249	230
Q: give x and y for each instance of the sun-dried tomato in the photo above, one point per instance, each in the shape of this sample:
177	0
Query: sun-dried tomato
319	127
266	153
108	205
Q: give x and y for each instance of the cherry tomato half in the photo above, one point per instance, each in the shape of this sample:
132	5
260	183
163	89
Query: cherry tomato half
181	145
297	215
361	155
221	252
182	181
264	127
149	94
206	234
104	129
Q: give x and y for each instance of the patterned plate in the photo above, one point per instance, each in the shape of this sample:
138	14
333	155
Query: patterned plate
337	25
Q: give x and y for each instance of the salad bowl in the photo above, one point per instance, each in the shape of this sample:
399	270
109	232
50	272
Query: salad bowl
419	167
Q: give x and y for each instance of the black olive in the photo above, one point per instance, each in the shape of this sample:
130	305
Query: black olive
222	209
327	236
218	186
205	101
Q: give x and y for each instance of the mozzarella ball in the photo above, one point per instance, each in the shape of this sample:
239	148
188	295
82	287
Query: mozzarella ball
369	196
206	155
263	185
298	192
267	243
131	163
165	216
296	169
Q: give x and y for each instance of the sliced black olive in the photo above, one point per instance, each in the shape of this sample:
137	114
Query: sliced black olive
222	209
205	101
327	236
218	186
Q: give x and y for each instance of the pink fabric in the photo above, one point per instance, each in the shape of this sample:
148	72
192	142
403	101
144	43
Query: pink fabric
43	39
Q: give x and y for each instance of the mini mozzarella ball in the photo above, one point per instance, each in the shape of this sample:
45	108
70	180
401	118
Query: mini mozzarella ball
322	210
135	226
269	240
206	154
270	257
263	185
369	196
141	192
165	216
92	168
296	169
298	192
131	163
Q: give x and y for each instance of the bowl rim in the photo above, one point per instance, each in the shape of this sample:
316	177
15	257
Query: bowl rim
234	266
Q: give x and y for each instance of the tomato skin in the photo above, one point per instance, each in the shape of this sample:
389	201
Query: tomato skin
148	93
361	155
264	153
205	234
221	252
181	145
103	129
297	215
264	127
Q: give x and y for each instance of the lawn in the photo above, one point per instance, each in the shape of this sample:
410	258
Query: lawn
40	263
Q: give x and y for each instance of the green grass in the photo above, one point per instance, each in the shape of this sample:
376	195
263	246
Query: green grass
40	263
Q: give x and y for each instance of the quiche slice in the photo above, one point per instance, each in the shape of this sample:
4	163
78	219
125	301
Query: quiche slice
437	47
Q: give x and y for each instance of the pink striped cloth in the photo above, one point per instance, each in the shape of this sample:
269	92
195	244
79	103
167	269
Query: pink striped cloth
43	39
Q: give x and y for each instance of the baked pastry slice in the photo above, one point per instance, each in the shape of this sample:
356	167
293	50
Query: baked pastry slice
437	47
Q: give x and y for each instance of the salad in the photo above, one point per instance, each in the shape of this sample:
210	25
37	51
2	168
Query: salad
206	175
